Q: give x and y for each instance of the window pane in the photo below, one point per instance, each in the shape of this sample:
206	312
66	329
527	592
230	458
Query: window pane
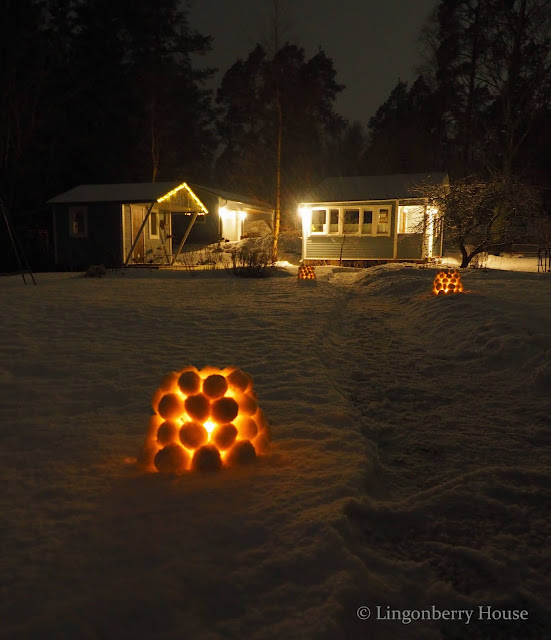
351	220
154	224
334	221
318	220
367	224
411	219
382	224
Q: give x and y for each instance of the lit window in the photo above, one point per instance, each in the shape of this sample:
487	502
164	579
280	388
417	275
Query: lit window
154	224
351	221
411	219
319	217
367	222
78	222
334	221
383	222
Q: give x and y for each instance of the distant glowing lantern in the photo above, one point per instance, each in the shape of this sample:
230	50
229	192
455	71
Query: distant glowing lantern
306	272
204	420
447	282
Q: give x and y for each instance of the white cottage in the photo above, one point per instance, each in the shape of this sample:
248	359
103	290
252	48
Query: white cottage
372	218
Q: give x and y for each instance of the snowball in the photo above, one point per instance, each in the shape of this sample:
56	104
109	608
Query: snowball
206	458
168	432
198	407
262	442
246	427
224	410
171	406
224	436
193	435
147	454
247	404
239	380
189	382
172	458
156	398
170	381
242	452
260	419
215	386
154	423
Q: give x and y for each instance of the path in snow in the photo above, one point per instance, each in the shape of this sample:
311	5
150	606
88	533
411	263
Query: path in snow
454	392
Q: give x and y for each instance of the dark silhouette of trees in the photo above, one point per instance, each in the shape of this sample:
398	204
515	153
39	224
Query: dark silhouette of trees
250	96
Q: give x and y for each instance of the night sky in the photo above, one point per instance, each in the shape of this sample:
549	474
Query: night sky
372	43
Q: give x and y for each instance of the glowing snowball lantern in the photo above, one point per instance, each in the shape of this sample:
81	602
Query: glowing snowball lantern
447	282
204	420
306	272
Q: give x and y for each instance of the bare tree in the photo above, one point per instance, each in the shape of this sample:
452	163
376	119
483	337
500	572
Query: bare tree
485	215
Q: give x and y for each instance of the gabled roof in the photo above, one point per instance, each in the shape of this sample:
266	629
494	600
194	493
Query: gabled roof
365	188
121	193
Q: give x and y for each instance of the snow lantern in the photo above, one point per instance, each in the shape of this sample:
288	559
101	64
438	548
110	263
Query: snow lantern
204	420
306	272
447	282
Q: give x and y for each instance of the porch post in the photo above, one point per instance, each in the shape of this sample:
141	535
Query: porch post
186	234
146	218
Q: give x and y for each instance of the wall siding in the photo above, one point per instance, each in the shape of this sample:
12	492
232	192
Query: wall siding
101	246
410	246
353	248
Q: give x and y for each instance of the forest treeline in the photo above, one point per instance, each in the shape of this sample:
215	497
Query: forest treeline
97	91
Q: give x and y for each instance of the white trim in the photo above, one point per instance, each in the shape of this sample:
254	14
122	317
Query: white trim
72	211
56	255
123	234
396	222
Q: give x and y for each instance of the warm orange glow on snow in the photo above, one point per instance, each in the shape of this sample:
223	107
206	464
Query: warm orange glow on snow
306	272
447	282
204	419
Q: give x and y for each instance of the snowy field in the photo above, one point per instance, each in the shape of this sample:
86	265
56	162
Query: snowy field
410	463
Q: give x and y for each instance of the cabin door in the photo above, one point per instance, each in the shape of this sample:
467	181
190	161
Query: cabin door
138	214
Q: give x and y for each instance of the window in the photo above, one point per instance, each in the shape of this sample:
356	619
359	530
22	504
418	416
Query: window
78	222
367	222
351	221
411	219
334	221
319	217
383	222
154	224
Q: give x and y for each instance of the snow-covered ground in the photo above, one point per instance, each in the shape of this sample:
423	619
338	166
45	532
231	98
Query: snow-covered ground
410	463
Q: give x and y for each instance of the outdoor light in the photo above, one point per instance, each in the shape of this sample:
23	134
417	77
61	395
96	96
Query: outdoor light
306	272
447	282
204	419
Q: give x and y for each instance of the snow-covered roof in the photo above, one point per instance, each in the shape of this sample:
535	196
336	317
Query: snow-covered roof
125	192
362	188
247	201
147	192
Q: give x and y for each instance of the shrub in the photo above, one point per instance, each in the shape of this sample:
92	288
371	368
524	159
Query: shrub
250	262
95	271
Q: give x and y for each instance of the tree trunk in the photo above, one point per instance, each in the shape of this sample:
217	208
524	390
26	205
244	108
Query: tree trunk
277	220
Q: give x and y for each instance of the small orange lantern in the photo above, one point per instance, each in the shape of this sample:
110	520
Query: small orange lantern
447	282
306	272
204	419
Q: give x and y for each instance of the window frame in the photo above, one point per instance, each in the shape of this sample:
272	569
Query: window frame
324	231
157	214
74	210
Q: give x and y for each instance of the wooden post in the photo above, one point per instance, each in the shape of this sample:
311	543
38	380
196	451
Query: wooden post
186	234
146	218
